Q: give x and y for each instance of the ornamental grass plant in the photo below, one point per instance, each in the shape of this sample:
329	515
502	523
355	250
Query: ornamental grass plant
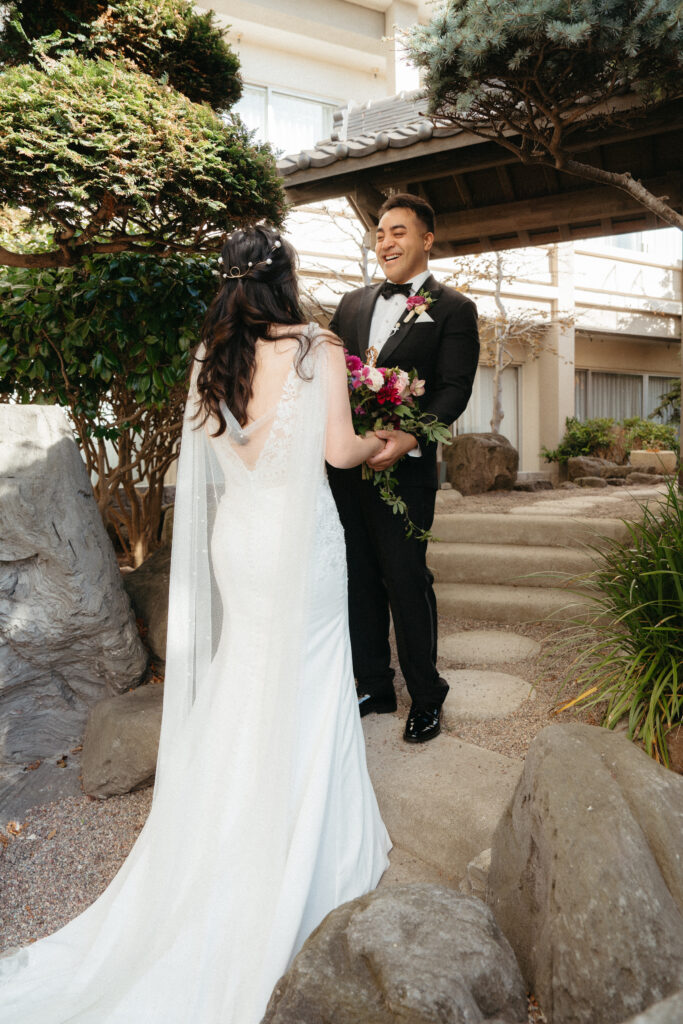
630	657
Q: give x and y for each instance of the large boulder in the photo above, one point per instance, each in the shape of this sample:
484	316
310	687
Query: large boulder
147	588
586	876
668	1011
121	742
476	463
414	953
70	636
590	465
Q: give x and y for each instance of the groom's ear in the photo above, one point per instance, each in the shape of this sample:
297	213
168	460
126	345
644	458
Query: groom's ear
428	241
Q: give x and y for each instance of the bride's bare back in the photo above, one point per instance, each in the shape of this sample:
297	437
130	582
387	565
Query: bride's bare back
274	369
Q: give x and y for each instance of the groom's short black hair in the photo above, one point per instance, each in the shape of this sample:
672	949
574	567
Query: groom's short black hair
404	200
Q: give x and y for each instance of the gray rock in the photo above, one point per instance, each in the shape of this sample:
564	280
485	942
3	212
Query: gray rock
674	743
590	465
475	882
590	481
669	1011
616	481
533	485
476	463
616	470
147	588
411	953
566	485
121	742
637	477
69	634
167	525
586	876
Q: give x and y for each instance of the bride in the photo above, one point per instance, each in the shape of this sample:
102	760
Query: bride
263	817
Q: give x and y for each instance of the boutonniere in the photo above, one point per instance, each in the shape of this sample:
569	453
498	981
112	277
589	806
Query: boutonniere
420	303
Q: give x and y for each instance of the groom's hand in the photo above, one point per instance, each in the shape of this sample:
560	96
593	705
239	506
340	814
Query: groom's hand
398	442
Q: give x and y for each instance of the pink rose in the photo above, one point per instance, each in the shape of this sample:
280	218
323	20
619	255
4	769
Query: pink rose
413	301
353	363
402	382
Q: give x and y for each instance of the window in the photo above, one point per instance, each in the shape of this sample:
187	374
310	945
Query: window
476	418
657	387
661	244
618	396
290	122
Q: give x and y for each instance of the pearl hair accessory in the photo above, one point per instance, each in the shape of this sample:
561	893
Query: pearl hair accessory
237	272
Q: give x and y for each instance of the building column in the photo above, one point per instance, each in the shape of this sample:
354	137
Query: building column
556	365
401	77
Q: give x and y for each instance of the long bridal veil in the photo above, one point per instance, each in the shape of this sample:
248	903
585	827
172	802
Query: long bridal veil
217	893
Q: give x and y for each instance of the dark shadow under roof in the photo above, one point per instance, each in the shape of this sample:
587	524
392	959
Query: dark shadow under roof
485	199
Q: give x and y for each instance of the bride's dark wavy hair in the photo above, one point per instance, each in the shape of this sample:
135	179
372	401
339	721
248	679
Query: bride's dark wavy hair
246	307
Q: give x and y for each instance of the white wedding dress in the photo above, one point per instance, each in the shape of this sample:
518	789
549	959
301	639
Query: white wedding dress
263	818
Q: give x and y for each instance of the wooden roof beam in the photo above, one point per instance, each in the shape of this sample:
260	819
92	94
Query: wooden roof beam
584	206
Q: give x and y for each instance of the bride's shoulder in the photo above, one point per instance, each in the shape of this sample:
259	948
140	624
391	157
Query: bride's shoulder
323	339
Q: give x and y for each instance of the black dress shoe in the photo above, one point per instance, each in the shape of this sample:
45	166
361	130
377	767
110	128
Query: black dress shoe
368	702
423	724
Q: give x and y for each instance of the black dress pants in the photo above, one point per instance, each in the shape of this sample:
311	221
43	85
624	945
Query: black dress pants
388	570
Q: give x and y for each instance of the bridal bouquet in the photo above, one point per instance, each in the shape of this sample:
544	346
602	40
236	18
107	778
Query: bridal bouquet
386	399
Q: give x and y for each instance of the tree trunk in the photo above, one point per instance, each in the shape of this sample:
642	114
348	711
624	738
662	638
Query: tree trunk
498	413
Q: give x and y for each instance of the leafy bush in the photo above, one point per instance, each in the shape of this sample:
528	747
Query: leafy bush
631	656
643	434
591	437
168	38
109	341
607	439
111	159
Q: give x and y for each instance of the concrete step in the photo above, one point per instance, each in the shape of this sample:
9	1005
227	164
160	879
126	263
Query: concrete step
519	565
510	604
528	530
441	801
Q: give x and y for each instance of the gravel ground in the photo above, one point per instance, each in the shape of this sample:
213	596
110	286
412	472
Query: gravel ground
59	857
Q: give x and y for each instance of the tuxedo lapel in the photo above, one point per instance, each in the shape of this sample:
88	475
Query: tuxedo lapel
366	308
432	286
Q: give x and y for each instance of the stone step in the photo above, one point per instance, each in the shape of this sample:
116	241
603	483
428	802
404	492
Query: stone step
519	565
528	530
510	604
441	801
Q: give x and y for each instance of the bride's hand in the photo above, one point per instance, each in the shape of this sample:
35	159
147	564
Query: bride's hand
379	447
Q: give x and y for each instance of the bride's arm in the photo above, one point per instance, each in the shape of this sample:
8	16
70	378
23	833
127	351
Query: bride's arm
344	448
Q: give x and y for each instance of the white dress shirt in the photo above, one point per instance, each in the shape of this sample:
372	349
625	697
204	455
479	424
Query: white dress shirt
388	311
385	315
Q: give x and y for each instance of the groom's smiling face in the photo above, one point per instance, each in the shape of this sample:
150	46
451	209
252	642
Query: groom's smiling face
402	245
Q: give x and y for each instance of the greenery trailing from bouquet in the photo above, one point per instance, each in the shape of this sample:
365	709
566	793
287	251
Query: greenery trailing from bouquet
385	398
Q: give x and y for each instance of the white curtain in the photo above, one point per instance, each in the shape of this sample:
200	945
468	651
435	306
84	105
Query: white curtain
617	395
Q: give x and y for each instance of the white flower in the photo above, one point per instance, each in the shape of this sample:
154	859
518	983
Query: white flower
374	378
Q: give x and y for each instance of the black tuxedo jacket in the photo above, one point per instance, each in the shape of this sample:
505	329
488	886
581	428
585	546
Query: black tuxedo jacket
444	352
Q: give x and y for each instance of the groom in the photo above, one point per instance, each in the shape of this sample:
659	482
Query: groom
387	570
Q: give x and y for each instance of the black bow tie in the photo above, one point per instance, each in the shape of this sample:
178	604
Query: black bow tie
389	288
